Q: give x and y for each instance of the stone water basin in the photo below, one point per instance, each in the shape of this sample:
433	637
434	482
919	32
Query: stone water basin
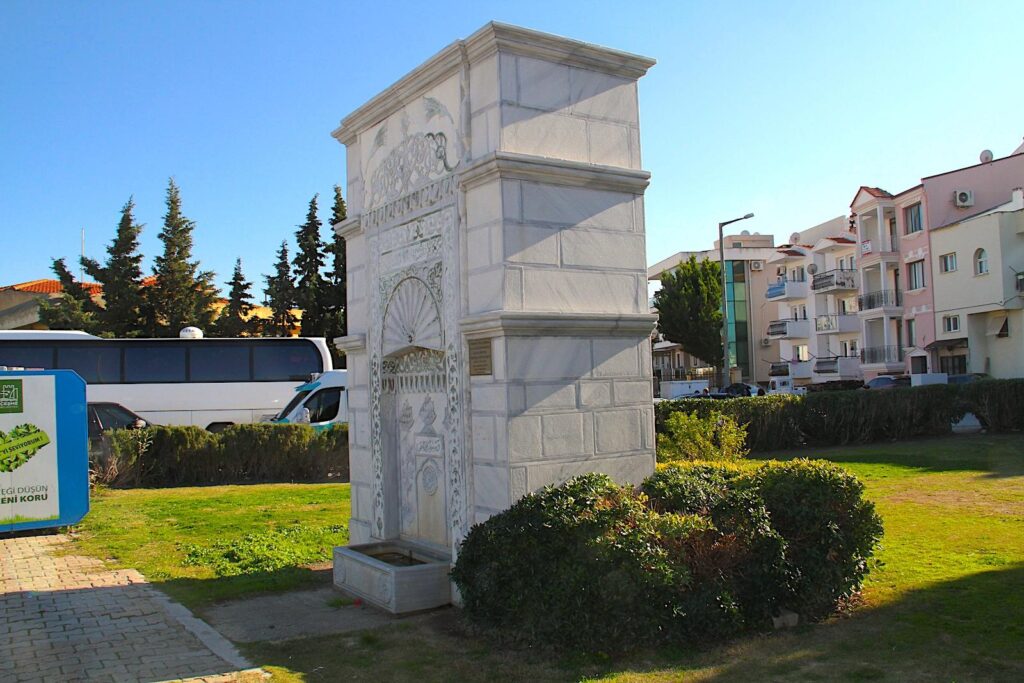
393	575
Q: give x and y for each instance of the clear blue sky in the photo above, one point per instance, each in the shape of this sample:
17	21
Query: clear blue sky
782	109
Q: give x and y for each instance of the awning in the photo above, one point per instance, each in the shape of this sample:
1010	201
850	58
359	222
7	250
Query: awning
947	344
995	325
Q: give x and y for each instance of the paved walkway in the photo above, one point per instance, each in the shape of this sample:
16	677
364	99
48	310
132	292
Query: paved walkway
68	618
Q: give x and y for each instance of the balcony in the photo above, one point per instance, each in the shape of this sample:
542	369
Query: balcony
882	298
838	366
785	290
797	369
836	324
874	355
835	280
789	329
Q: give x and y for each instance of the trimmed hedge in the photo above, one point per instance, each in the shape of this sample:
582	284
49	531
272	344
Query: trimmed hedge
250	453
835	418
701	551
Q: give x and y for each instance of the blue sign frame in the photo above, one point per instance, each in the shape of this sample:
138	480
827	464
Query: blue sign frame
72	448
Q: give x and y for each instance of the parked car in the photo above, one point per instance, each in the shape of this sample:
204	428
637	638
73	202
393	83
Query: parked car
322	402
888	382
104	416
968	378
742	389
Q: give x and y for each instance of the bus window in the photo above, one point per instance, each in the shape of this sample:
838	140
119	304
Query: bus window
94	363
34	356
218	363
323	407
154	363
275	362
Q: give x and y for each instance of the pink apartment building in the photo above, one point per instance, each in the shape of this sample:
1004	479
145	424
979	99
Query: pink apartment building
896	305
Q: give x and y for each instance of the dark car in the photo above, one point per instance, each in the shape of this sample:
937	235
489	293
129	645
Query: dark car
104	416
887	382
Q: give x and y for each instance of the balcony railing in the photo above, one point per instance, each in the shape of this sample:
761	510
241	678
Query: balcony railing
799	369
780	369
831	324
881	354
789	329
776	289
787	289
883	298
842	365
835	279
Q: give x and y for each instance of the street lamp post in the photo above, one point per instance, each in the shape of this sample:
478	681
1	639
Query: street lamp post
725	304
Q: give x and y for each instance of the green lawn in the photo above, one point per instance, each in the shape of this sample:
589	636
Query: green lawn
944	600
153	530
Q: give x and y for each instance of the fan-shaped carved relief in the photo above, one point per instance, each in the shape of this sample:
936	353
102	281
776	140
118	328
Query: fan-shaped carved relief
411	319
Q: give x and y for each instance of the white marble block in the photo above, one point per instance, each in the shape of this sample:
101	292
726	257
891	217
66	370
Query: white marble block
498	322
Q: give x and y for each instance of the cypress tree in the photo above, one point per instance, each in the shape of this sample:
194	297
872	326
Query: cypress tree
335	298
234	318
121	277
74	309
309	261
280	292
182	294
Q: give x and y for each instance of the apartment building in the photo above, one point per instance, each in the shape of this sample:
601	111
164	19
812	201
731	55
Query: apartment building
814	292
747	278
900	331
979	291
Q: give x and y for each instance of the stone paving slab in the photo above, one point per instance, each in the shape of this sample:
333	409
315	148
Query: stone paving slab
68	618
296	614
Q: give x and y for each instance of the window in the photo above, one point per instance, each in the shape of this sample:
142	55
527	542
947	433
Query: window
323	406
154	363
915	275
1004	330
912	219
94	363
218	363
911	331
798	274
801	352
953	365
947	262
980	262
284	362
950	323
113	416
29	356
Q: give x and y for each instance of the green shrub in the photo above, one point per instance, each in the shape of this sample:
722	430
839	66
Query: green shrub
176	456
999	404
829	530
688	436
770	421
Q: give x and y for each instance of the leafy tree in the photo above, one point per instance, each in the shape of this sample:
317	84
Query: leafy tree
309	261
335	299
121	277
74	309
182	294
234	318
689	309
280	292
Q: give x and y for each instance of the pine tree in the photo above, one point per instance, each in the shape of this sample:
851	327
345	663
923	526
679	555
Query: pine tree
280	292
121	277
182	294
234	318
74	309
335	288
309	261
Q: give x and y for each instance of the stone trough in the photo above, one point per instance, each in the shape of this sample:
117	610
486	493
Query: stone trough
396	576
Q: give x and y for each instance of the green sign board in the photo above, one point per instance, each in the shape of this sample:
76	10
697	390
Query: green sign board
11	396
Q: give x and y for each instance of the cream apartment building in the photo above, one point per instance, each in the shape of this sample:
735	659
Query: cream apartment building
979	284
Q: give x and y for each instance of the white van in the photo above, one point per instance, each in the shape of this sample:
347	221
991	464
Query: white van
321	402
784	385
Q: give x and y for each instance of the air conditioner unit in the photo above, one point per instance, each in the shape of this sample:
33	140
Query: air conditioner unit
765	341
812	269
963	198
757	265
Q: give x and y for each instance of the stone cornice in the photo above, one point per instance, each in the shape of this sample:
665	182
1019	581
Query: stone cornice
499	37
554	171
350	227
351	343
521	323
493	37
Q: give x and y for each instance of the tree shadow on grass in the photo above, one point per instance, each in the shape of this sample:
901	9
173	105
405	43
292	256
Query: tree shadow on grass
200	593
967	629
996	455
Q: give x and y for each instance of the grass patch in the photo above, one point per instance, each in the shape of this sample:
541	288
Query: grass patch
205	544
942	601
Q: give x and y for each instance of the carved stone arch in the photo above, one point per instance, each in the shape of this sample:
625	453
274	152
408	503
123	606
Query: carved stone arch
412	319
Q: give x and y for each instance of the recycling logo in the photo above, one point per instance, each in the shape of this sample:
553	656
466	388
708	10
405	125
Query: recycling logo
19	445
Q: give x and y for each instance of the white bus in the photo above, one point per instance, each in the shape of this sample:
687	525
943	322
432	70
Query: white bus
209	383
